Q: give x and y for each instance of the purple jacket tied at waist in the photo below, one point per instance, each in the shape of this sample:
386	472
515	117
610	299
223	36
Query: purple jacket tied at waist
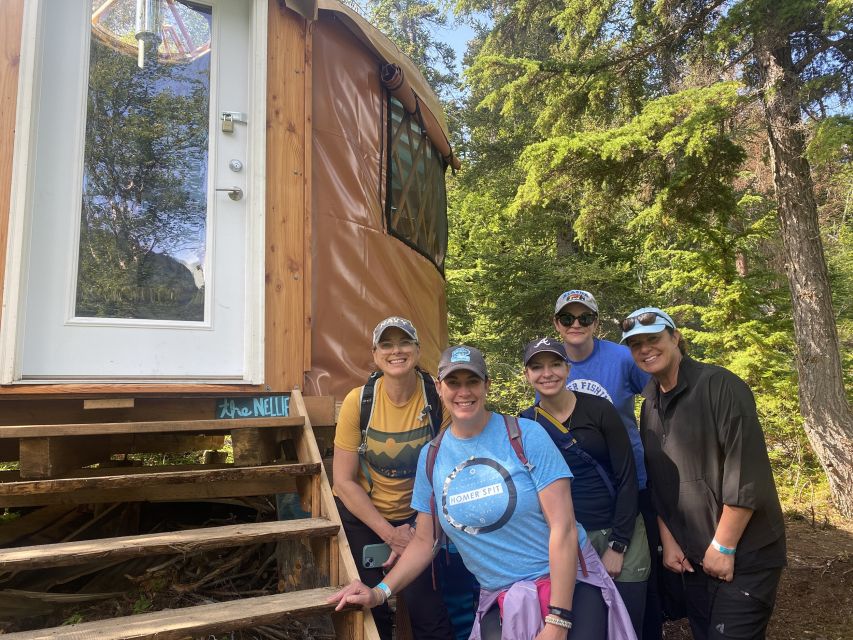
522	617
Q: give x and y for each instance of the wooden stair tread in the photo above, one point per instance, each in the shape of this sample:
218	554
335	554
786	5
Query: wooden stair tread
159	426
124	481
174	542
176	624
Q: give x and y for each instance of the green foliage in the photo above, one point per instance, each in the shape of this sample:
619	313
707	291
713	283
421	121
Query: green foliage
618	147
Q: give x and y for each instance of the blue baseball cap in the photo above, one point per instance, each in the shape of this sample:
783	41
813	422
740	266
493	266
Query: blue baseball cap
646	320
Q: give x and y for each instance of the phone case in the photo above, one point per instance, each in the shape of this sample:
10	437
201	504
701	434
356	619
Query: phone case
375	555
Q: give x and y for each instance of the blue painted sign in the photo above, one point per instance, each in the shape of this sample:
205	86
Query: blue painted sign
261	407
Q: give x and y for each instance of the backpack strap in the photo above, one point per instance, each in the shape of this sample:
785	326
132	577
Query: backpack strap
437	531
365	416
570	443
514	433
432	403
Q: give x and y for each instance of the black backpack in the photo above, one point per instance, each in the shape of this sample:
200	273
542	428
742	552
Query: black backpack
432	408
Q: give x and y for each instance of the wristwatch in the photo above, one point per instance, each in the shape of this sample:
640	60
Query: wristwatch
618	547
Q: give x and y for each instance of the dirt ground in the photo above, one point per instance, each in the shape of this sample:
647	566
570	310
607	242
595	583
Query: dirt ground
815	600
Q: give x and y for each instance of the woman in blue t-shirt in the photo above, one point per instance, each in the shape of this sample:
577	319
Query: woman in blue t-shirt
592	439
508	509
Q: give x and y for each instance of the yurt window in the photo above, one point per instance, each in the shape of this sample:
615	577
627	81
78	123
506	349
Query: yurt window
416	209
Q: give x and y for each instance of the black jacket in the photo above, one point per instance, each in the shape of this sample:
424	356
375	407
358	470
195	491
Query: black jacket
599	431
705	448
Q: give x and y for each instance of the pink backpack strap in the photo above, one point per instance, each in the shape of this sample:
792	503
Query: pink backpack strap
437	532
513	430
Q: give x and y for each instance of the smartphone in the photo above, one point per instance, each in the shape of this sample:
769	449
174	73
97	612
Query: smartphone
375	555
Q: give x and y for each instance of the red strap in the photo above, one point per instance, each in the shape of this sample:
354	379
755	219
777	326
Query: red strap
432	454
514	433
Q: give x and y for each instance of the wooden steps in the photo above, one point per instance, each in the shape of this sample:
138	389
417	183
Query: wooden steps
178	624
176	542
145	484
271	455
52	450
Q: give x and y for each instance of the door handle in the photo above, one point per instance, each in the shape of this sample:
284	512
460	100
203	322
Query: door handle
235	193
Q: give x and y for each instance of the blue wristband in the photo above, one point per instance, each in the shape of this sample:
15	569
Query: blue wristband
726	551
384	588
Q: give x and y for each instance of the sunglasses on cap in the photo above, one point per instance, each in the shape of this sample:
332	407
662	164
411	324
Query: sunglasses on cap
645	319
585	319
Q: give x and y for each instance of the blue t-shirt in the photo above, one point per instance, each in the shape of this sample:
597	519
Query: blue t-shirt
610	372
488	503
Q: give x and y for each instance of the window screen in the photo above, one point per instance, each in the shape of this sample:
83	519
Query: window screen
416	208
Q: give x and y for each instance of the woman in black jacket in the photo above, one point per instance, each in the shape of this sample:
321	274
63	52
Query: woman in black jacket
589	433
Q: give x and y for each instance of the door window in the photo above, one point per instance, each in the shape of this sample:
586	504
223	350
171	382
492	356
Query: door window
143	223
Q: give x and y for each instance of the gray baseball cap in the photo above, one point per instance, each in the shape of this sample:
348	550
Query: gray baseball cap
462	357
576	295
402	324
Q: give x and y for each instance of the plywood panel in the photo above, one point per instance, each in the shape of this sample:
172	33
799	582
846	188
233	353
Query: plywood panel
11	16
287	176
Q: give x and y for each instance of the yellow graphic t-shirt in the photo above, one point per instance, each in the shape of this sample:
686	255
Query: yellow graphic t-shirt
395	437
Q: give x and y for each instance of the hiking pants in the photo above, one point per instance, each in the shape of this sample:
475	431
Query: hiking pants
427	612
738	610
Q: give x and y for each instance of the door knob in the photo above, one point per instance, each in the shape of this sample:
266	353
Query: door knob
235	193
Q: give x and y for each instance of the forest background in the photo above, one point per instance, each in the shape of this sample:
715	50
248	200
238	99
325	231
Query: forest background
688	154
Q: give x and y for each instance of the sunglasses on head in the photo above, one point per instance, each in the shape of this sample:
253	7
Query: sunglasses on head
645	319
585	319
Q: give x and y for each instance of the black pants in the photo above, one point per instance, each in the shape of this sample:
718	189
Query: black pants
634	596
654	606
739	609
426	608
590	616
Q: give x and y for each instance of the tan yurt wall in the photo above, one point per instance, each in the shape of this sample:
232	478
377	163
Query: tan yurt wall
361	274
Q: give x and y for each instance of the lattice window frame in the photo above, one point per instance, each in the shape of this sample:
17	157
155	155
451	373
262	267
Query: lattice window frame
416	199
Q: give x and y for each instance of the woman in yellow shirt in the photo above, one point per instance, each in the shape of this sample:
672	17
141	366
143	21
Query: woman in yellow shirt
374	472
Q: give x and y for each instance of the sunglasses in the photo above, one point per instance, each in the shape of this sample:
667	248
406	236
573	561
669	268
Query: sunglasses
645	319
585	319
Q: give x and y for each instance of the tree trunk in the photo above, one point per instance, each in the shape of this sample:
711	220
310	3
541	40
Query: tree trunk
828	419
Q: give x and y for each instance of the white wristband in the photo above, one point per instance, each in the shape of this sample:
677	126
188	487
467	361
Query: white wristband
726	551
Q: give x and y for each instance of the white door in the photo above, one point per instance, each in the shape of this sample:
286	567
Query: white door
135	263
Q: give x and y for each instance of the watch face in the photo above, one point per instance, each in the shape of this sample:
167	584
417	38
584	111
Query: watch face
618	547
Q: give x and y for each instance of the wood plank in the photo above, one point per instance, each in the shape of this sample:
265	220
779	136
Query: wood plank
253	447
287	145
177	624
342	567
11	19
175	542
35	410
51	457
83	390
122	481
109	403
167	426
321	410
308	204
54	457
157	493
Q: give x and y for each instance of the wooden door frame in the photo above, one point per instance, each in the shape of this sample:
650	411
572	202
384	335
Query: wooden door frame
21	190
